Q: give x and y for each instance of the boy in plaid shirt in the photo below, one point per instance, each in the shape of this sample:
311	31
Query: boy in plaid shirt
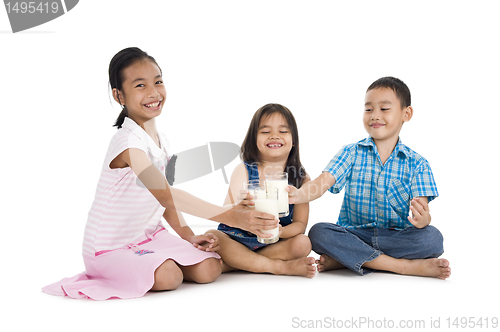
384	180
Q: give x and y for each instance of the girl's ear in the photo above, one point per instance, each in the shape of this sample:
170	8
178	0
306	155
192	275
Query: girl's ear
117	95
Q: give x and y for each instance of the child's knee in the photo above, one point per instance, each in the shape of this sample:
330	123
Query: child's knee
300	246
434	240
324	232
317	230
214	231
168	276
208	271
416	243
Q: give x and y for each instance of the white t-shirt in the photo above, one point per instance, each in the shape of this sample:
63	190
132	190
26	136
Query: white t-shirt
124	212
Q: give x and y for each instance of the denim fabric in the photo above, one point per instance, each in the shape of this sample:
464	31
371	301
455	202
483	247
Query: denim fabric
352	247
248	239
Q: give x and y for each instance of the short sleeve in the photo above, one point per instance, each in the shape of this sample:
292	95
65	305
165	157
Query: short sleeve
340	167
123	140
423	183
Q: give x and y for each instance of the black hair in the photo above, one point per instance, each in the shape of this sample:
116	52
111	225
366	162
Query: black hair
122	60
249	151
395	84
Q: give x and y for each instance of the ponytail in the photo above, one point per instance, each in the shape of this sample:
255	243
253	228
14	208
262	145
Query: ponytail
121	118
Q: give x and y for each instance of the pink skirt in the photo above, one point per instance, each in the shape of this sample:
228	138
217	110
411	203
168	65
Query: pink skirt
127	273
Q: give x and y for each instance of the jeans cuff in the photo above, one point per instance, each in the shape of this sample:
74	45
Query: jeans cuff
364	271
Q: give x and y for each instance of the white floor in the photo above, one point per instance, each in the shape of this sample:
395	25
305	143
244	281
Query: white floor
250	301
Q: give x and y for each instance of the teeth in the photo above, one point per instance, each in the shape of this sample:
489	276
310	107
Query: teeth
274	145
153	104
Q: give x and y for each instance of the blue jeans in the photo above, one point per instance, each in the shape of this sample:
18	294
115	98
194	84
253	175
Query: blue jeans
354	247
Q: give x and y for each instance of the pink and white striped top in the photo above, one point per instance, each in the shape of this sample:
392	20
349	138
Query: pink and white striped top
124	212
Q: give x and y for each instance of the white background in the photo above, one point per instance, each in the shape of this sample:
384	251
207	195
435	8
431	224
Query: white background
221	61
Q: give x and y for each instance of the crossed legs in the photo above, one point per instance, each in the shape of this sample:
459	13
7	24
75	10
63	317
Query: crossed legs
286	257
411	252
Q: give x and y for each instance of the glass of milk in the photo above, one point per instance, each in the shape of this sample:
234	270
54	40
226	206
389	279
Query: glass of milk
279	180
267	201
250	186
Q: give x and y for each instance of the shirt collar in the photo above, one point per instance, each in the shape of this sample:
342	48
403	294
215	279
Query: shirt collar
400	147
131	125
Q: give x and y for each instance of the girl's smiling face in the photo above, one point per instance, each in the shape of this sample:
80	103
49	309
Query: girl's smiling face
274	139
143	92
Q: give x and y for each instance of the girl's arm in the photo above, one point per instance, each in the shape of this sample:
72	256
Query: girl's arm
300	219
175	199
207	242
239	176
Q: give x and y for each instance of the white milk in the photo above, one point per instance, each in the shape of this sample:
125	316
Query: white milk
251	192
268	206
282	195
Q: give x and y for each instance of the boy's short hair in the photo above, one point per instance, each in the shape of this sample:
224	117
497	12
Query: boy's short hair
395	84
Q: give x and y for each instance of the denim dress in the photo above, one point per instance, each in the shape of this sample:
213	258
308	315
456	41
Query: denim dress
244	237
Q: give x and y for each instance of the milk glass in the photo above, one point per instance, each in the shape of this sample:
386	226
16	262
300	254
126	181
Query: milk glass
250	186
267	201
279	180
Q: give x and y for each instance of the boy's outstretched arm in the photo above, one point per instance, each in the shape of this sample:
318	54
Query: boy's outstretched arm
311	190
421	216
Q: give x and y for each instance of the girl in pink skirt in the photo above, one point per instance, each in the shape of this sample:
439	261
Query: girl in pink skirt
126	250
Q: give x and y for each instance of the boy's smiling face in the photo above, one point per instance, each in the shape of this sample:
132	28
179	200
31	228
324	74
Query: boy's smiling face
384	117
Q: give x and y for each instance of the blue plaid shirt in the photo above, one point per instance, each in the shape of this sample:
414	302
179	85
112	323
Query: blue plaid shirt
379	195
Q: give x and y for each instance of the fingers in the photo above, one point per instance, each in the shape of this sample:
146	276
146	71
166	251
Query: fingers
203	238
413	222
292	191
417	213
292	194
263	216
420	204
262	235
207	242
243	194
210	246
214	242
420	212
266	223
245	198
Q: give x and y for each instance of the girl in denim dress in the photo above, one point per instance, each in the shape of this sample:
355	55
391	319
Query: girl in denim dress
271	145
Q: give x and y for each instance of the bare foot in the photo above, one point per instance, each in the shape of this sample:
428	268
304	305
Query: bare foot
432	267
298	267
326	263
